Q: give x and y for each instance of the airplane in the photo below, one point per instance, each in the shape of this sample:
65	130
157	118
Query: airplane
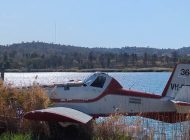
101	95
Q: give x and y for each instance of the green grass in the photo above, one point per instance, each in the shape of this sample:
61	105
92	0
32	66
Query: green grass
15	136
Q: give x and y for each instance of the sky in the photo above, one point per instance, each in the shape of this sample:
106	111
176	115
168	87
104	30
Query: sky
97	23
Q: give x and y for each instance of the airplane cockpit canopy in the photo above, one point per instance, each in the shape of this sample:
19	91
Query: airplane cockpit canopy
96	80
99	82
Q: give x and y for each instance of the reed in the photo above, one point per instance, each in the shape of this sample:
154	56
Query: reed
14	102
111	128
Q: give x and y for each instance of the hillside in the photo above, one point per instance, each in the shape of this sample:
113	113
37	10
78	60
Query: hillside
39	55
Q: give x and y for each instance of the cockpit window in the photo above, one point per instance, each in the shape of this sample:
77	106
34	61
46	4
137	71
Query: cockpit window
99	82
89	79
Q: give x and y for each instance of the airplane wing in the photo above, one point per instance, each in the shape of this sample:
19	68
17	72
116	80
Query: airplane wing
58	114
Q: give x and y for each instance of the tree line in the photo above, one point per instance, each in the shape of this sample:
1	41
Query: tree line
39	55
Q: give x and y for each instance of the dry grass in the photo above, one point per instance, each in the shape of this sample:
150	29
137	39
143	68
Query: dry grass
14	102
115	127
118	127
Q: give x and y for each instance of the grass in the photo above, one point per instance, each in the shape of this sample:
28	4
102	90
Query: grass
15	102
115	128
109	129
15	136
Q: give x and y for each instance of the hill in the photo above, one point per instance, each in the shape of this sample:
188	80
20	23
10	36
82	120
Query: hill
48	56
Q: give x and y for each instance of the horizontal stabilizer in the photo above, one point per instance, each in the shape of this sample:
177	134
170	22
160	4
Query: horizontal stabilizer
58	114
181	106
180	103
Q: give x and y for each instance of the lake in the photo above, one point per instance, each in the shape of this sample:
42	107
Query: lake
151	82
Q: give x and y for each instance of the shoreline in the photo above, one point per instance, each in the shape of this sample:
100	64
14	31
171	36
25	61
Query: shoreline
150	69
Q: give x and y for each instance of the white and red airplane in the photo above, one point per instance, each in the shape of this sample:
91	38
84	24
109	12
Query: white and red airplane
101	95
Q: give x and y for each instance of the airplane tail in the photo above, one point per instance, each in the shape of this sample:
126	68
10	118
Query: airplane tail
179	78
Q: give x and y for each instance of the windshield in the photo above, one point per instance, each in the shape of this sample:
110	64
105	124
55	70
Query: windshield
90	79
99	82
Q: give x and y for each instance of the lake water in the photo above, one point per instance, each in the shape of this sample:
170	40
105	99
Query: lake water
150	82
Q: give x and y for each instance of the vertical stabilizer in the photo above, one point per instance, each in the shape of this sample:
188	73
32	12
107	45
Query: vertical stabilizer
180	77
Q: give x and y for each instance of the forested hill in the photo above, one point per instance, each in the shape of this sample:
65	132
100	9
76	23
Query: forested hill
39	55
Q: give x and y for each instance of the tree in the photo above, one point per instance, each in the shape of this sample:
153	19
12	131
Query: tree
174	57
145	59
90	60
133	59
154	59
125	59
101	60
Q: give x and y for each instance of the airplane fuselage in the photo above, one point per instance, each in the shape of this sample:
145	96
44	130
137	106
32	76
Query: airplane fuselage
110	98
119	104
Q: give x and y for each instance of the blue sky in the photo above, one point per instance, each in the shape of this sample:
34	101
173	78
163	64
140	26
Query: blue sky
97	23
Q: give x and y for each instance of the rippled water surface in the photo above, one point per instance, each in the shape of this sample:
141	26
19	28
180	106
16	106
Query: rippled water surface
151	82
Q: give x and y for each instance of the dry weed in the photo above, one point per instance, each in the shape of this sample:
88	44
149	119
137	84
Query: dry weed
14	102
